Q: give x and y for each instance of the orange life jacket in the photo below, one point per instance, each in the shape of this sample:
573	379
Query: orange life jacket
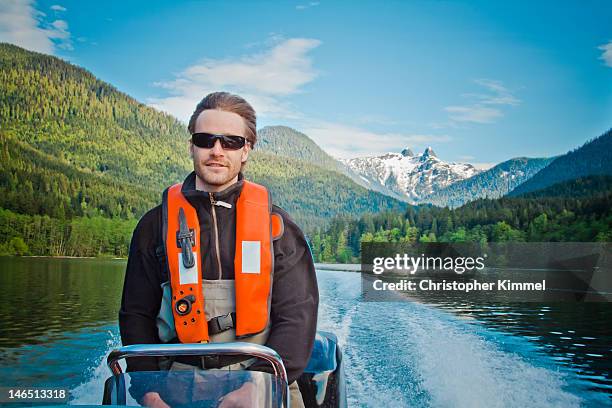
256	227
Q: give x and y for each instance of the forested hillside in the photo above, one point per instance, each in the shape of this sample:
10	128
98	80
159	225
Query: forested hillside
75	143
287	142
581	187
592	158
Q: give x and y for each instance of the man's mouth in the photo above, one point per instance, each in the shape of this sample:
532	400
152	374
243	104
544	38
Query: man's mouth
215	165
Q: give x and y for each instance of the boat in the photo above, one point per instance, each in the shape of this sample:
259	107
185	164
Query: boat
322	383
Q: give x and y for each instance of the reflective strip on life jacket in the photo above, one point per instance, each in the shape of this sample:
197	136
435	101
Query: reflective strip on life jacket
253	263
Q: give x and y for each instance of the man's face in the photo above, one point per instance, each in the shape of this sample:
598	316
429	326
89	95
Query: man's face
217	168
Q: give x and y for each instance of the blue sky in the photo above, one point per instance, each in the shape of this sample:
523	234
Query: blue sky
479	81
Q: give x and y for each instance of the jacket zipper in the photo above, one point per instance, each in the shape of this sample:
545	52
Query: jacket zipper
214	214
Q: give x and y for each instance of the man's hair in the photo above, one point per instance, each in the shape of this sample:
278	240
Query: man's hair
228	102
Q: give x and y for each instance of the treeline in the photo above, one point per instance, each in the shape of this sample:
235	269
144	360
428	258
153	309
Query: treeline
548	219
80	236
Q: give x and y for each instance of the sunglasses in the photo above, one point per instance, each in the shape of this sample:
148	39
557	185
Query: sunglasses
208	140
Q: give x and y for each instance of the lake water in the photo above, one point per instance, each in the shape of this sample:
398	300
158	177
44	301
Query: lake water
58	320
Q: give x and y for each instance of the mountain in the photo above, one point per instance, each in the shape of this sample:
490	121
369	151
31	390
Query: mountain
581	187
287	142
411	176
492	183
75	146
592	158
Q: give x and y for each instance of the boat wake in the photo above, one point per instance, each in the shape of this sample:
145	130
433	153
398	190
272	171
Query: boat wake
402	354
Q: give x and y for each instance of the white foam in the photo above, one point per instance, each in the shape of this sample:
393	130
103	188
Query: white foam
90	391
462	369
337	315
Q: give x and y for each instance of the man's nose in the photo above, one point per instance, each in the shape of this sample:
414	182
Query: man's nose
217	149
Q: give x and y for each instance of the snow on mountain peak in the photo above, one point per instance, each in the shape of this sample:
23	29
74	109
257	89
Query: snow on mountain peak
429	152
409	175
407	152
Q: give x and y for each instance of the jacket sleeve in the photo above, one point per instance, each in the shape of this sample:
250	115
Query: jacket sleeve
142	291
295	300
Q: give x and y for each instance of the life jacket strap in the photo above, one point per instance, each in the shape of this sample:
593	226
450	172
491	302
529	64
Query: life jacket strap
219	324
181	232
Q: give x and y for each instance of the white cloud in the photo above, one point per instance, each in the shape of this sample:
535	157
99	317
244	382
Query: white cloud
606	55
307	5
499	94
21	24
376	119
61	33
346	141
263	79
475	113
57	7
484	107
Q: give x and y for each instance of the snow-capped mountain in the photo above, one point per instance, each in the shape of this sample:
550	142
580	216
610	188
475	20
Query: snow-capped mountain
412	176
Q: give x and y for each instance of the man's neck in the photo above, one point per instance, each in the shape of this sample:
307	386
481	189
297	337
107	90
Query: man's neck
210	188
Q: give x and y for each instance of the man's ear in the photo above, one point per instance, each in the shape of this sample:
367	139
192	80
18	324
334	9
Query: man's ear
190	149
245	152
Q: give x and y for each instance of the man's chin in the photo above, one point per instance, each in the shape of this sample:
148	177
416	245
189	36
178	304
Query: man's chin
216	179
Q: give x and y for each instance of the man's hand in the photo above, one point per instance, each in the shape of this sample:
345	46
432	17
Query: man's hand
243	397
152	399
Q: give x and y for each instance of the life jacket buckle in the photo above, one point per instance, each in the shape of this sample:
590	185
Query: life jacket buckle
221	323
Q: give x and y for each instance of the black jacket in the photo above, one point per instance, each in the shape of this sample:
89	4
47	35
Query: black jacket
295	296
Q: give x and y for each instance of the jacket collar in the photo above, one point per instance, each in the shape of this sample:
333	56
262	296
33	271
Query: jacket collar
195	197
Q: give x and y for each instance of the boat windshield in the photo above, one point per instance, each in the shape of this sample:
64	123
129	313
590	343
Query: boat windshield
197	388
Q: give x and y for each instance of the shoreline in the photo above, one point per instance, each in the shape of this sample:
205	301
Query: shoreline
321	266
338	267
68	257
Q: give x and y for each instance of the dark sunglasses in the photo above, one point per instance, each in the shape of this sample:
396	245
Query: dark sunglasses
208	140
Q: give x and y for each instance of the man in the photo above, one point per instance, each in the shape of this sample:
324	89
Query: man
216	200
